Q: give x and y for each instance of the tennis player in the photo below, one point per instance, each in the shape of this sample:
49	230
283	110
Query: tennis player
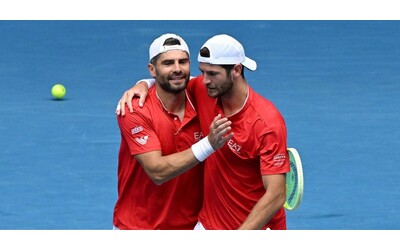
159	188
244	181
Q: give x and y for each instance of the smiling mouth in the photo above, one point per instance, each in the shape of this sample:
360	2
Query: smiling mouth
176	78
177	81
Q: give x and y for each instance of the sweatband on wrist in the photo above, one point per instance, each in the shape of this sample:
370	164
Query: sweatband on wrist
202	149
150	82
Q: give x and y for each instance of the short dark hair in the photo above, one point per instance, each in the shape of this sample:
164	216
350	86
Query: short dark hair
169	41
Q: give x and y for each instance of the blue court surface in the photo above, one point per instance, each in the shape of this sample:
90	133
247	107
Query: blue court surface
337	84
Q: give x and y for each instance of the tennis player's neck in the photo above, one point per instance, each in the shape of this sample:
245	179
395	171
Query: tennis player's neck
235	100
174	103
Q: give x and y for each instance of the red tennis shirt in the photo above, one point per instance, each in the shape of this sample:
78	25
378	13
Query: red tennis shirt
141	203
232	175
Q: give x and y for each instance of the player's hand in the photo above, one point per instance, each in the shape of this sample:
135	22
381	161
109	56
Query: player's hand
140	89
219	132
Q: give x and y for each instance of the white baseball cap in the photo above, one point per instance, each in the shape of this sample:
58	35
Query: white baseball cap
158	47
226	50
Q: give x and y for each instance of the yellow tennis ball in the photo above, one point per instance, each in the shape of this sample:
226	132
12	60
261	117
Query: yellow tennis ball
58	91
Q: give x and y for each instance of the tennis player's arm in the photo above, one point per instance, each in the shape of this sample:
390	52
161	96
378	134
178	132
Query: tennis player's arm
266	207
141	89
163	168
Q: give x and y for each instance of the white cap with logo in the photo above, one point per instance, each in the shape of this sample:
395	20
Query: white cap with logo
226	50
158	47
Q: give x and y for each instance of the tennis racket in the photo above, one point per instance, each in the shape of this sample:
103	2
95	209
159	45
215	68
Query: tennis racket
294	181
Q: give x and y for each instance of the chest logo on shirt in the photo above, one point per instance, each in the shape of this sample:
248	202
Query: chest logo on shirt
142	140
136	130
234	146
198	136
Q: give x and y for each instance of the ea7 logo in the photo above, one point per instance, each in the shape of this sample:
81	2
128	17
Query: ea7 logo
234	146
198	136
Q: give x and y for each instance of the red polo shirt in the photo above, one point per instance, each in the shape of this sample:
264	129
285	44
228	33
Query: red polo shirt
141	203
232	177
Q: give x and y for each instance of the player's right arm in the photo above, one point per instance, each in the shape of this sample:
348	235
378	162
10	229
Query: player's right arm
140	89
161	168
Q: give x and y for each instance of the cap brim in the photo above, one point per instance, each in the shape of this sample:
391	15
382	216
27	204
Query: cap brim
250	64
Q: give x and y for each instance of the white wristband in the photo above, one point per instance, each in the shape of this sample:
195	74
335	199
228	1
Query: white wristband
202	149
150	82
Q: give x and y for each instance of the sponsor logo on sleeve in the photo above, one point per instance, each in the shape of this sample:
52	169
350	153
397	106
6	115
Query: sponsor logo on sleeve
142	140
136	130
279	159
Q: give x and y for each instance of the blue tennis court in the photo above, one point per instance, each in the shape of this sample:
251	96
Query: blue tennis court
337	83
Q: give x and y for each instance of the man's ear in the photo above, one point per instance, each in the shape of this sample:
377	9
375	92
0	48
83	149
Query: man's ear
152	70
237	70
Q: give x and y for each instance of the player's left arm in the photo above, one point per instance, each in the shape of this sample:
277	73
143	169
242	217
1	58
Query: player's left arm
266	207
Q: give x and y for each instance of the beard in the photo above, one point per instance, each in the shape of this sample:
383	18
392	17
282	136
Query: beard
165	82
223	89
